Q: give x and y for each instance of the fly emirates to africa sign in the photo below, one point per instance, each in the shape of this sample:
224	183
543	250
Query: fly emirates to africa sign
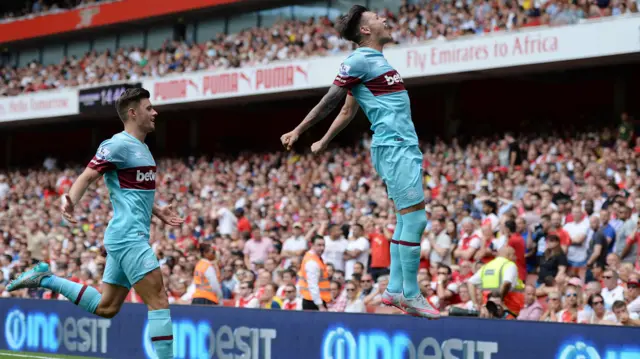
595	38
526	47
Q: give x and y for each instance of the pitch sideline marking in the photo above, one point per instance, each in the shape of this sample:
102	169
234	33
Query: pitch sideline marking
24	356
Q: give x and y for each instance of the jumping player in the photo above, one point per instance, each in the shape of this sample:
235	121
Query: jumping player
130	175
367	80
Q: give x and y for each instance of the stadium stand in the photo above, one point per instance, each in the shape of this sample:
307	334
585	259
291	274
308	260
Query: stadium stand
44	7
527	117
260	209
280	199
297	39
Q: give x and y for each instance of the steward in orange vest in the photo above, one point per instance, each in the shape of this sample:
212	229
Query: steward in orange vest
313	279
206	278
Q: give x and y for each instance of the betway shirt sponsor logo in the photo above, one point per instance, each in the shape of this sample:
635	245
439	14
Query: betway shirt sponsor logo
393	79
145	176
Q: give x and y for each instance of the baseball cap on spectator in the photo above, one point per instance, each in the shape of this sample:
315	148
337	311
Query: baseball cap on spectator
633	284
576	282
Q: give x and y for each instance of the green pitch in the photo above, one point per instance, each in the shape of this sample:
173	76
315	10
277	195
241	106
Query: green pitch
7	354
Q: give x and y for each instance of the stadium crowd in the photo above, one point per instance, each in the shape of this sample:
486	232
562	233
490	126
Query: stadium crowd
568	206
33	8
296	39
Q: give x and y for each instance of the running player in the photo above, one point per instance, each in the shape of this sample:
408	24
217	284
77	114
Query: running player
367	80
130	175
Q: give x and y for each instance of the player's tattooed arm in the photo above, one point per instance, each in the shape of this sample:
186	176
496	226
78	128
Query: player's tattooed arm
329	102
348	111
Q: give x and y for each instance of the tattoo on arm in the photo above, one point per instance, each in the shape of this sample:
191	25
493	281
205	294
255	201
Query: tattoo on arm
328	103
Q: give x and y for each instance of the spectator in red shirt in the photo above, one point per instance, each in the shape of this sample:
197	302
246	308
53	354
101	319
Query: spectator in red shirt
186	239
446	288
466	272
470	241
556	228
243	222
380	255
516	242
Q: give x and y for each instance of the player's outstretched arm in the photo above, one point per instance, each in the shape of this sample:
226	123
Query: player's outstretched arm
76	192
328	103
347	113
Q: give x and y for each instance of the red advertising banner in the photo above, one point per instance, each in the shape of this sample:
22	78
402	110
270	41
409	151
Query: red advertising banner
98	15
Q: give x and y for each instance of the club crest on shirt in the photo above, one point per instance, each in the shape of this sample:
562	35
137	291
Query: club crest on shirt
103	154
412	194
344	70
139	154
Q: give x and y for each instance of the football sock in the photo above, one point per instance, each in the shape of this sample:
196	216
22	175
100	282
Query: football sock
413	225
395	277
84	296
161	333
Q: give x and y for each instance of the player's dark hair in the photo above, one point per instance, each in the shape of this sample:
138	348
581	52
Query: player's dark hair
348	26
129	97
511	225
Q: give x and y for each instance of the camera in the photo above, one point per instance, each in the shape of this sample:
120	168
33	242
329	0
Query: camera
495	311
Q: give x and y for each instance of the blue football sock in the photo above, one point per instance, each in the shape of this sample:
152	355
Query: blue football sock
161	333
84	296
395	277
413	225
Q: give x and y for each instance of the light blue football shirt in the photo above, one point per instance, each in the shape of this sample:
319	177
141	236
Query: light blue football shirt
379	90
130	175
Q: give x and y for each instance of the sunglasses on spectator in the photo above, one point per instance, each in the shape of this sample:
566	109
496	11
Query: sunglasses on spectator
598	302
607	276
351	289
289	291
443	273
367	281
572	295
